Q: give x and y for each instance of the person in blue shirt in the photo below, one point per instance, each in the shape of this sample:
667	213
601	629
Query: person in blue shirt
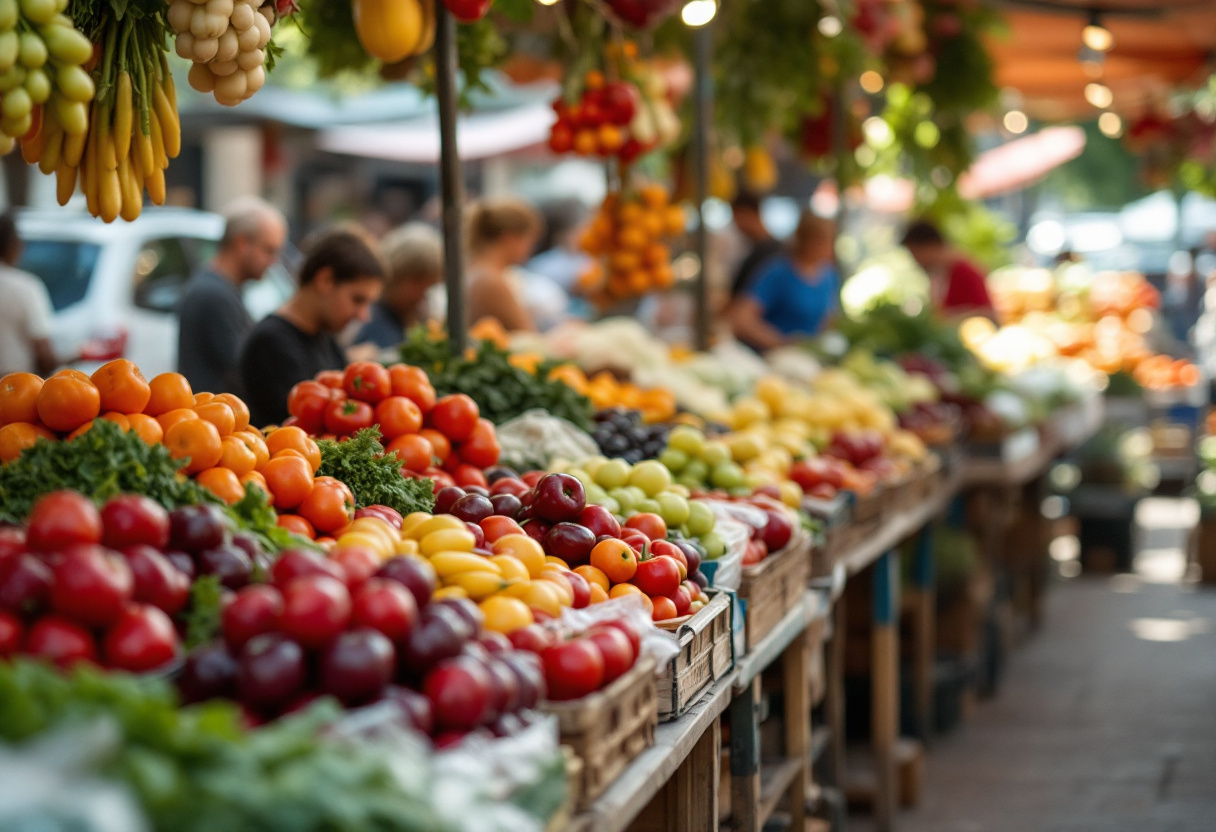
793	296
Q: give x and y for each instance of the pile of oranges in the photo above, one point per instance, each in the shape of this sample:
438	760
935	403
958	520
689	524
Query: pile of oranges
629	236
657	404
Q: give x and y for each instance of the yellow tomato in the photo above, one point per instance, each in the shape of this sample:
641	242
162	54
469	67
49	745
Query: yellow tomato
505	614
524	549
512	567
447	540
372	542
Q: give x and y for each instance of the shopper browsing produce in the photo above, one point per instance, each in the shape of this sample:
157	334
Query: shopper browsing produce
793	296
762	246
341	278
25	311
214	321
956	286
501	236
414	255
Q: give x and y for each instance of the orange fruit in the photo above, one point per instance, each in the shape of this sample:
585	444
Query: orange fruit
598	595
147	428
240	410
254	478
119	419
66	402
297	525
170	391
294	439
181	414
221	482
595	576
327	508
289	479
662	608
440	444
15	437
19	397
68	372
197	440
203	398
257	444
122	386
218	414
237	456
505	615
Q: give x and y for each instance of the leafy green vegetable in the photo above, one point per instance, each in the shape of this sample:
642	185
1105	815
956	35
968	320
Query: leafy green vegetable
101	463
254	515
373	476
332	40
195	770
502	391
203	620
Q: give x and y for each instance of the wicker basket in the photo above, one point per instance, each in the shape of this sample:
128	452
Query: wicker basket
706	655
771	588
609	728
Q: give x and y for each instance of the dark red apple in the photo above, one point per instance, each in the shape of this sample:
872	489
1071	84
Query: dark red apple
559	497
600	521
570	542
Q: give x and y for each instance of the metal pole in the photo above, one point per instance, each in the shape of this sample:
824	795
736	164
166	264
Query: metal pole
704	123
450	177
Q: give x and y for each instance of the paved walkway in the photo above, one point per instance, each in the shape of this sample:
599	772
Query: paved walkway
1105	721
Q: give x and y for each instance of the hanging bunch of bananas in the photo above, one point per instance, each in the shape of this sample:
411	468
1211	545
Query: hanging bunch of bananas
41	58
131	130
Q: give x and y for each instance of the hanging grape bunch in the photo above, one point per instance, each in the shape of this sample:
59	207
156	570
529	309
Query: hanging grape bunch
227	41
41	58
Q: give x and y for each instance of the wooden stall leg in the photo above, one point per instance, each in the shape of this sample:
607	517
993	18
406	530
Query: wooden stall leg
796	678
924	579
833	700
744	715
885	696
689	801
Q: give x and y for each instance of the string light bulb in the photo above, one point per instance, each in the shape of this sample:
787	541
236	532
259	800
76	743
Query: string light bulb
1099	95
1016	122
1111	125
697	13
1096	36
871	82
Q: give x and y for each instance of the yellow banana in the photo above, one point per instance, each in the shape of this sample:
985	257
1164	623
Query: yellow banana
448	564
170	91
88	175
109	194
158	143
53	151
479	585
65	182
170	128
132	191
73	148
147	158
32	148
106	155
156	186
123	115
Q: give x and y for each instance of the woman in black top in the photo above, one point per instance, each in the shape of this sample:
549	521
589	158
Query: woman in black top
341	278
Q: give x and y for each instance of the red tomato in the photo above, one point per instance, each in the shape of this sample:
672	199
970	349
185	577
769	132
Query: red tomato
441	446
630	631
62	519
92	586
573	669
468	11
142	639
616	648
331	379
455	416
357	562
466	475
665	548
414	384
637	540
414	451
386	606
345	418
657	576
307	403
481	448
11	633
651	525
398	416
315	609
662	608
131	519
367	381
441	478
62	642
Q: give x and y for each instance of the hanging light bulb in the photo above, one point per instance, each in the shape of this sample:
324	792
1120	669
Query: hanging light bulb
1099	95
1111	125
697	13
548	2
871	82
1096	36
1016	121
830	26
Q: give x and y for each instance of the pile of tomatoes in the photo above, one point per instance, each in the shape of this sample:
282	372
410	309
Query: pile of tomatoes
629	236
598	124
444	439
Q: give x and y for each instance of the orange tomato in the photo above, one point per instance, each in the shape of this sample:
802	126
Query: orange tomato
255	478
662	608
398	416
122	386
81	431
294	439
147	428
414	384
615	559
237	456
239	409
15	437
19	398
289	479
598	595
218	414
203	398
441	446
594	576
297	525
65	402
170	391
68	372
119	419
621	590
327	508
334	482
414	451
180	414
197	440
223	483
257	444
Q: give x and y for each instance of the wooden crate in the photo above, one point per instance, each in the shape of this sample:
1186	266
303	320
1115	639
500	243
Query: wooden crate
772	587
609	728
870	507
706	655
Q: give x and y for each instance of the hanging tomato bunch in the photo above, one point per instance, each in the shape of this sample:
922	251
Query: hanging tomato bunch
631	237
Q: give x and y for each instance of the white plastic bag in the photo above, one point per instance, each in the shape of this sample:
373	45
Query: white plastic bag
537	438
630	608
727	571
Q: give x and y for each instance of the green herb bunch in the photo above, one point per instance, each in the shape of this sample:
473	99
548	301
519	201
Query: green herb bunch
373	476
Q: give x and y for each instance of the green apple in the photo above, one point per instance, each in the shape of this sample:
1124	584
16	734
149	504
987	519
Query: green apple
727	475
593	464
625	499
611	504
651	476
715	546
686	439
612	474
690	483
595	494
674	459
715	452
647	506
701	519
582	476
673	509
696	470
638	494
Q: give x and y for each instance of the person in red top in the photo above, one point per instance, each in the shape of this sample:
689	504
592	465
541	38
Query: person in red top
956	286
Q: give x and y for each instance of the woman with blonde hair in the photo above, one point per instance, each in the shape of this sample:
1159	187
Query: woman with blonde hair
795	295
500	235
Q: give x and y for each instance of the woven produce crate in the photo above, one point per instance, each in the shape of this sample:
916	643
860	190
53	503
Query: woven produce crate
609	728
706	655
871	506
772	587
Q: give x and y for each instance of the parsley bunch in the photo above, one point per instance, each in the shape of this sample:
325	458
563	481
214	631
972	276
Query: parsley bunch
373	476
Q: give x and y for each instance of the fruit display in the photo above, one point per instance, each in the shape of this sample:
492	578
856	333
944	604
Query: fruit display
771	523
606	391
42	57
620	433
226	42
630	238
579	664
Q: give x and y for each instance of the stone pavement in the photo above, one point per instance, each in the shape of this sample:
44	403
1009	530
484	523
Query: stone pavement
1105	720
